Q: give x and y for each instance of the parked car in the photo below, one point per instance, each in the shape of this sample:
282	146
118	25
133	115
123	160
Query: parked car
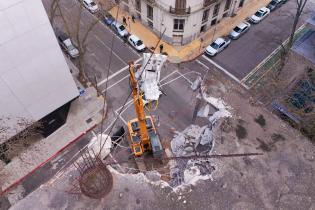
66	44
108	19
260	15
239	30
119	29
135	42
90	5
217	46
274	4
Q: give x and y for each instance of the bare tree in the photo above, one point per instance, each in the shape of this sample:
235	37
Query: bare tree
300	5
78	31
53	10
16	134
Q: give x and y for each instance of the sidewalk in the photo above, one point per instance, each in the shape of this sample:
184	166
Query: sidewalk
177	54
84	114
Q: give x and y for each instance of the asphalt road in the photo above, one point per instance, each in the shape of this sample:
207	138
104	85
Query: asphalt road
244	54
99	41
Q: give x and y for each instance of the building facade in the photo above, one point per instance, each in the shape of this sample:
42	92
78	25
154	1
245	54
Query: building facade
35	81
182	20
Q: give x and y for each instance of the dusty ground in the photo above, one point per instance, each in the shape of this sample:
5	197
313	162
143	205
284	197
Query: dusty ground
280	179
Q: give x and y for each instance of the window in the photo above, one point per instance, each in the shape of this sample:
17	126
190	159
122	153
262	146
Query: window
241	3
203	28
138	5
205	15
227	5
216	10
149	12
213	22
179	24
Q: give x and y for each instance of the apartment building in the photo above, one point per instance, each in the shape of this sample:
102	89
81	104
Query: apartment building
182	20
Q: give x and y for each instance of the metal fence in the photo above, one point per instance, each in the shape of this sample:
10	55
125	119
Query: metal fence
271	63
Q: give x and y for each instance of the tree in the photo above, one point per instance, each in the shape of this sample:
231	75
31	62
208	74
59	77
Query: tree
78	32
16	134
300	5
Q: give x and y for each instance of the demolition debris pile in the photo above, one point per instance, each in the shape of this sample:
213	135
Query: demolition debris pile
199	141
149	75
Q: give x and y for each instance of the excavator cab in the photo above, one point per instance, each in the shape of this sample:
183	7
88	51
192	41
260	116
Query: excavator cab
137	145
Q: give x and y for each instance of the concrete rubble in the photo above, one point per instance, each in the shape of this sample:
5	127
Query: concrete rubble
149	75
219	104
196	140
100	144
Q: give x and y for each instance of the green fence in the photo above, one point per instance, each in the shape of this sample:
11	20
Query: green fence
271	63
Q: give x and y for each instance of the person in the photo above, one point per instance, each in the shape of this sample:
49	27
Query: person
124	20
161	48
133	18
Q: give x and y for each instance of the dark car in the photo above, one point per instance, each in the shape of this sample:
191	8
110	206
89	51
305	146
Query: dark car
274	4
66	43
108	19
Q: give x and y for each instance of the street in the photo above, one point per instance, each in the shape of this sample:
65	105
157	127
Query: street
239	180
245	53
99	41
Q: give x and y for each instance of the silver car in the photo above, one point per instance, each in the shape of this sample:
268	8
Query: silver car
217	46
66	44
119	29
239	30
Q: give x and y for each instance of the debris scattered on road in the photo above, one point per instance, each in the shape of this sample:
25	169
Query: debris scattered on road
149	75
196	84
219	104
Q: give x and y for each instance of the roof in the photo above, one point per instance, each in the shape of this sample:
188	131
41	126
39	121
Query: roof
88	1
116	23
263	9
311	21
34	77
242	25
134	38
219	41
304	46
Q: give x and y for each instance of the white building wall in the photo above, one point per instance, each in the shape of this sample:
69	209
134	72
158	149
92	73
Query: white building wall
162	18
34	77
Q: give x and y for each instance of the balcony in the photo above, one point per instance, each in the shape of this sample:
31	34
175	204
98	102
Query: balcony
208	2
179	11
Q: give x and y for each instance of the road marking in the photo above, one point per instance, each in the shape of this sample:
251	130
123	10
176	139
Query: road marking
94	134
164	78
188	80
116	83
204	65
222	69
120	117
96	37
129	103
116	73
126	106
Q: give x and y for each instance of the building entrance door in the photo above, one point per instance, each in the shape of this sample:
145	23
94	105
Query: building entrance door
177	39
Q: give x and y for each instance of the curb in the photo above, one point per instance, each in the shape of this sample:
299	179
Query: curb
46	161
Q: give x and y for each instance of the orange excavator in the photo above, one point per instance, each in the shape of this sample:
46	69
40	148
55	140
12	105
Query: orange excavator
143	136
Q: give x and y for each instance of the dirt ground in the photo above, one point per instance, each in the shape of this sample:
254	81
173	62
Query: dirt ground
281	178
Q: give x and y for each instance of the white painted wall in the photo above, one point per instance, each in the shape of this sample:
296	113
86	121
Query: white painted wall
163	19
34	77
